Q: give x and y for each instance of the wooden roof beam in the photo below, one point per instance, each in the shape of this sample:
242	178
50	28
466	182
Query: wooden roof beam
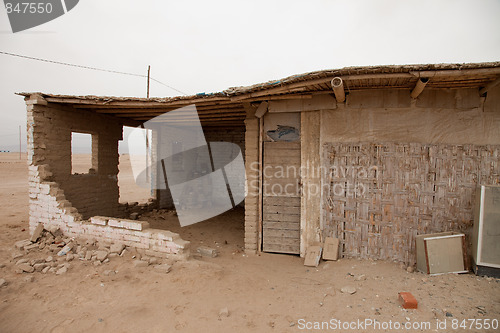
419	87
338	89
261	110
458	72
301	86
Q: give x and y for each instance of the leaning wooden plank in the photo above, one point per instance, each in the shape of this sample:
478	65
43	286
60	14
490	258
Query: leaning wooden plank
312	256
331	248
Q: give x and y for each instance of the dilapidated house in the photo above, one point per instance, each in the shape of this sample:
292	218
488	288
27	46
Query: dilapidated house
371	155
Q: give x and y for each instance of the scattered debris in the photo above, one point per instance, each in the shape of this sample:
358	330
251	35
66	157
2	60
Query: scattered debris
21	261
206	251
410	269
312	256
39	267
37	233
140	263
65	250
29	278
101	255
438	313
361	277
109	272
407	300
348	290
25	267
22	243
53	241
116	248
224	312
62	270
164	268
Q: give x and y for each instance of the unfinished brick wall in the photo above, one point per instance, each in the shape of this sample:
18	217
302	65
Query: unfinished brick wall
70	202
49	206
49	142
252	174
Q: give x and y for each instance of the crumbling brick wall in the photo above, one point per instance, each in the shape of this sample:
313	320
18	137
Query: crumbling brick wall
49	142
72	202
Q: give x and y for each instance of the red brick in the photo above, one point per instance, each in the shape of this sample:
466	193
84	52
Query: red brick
407	300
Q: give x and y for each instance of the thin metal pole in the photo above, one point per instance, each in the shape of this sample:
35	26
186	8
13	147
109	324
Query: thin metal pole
147	139
147	156
149	70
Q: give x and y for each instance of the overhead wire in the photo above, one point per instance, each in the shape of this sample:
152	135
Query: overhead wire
90	68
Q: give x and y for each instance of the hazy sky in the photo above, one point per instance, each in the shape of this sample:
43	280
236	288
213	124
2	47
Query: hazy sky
206	46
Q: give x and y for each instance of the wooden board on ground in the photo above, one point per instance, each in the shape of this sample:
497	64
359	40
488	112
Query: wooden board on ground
441	253
312	256
331	249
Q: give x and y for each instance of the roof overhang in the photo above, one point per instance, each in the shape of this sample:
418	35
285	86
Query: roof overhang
228	108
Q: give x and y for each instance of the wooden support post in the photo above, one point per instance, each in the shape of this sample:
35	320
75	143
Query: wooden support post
419	87
261	185
338	89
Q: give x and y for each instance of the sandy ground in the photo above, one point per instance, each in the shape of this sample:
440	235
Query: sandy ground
266	293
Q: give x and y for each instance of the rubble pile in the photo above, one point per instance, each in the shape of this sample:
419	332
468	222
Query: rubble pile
55	252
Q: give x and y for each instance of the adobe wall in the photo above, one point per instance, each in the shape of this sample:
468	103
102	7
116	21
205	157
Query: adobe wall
251	200
417	163
453	116
83	205
49	143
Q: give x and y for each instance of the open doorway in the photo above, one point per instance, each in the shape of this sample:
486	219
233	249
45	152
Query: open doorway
225	232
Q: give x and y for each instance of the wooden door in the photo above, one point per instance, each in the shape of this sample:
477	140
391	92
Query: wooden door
281	197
